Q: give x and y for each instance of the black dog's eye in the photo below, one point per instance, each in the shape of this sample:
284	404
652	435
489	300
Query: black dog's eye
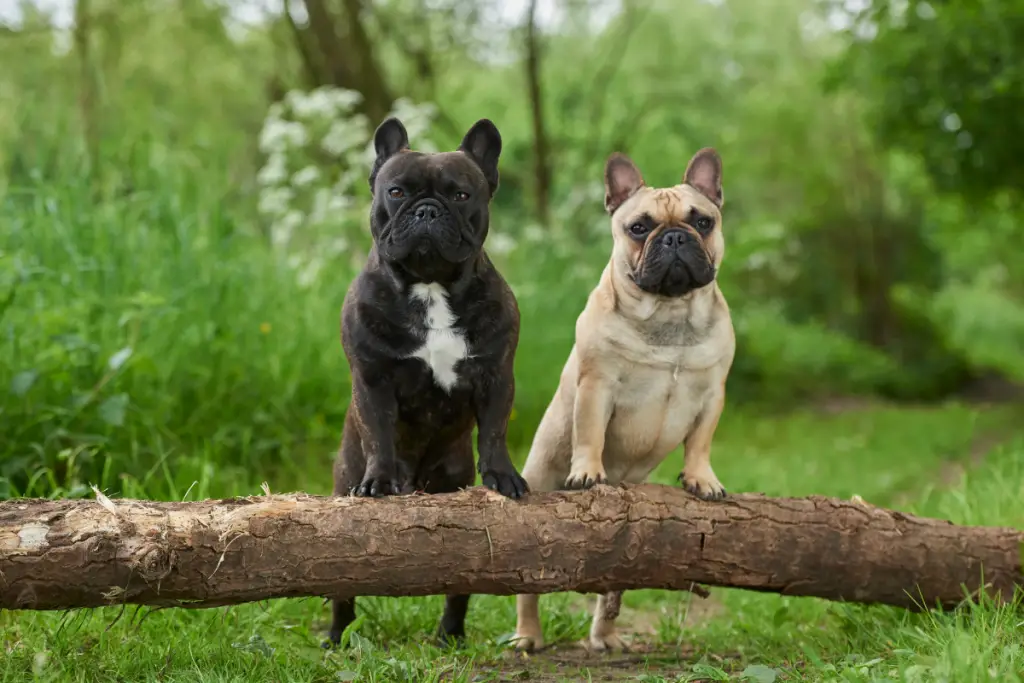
461	196
638	230
396	193
704	223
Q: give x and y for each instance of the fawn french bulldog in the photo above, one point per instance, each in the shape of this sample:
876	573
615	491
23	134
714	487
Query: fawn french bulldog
654	345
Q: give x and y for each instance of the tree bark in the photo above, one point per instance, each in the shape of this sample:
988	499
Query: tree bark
348	57
87	553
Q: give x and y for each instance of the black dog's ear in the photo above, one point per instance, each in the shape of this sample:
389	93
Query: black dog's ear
621	179
704	173
389	139
483	144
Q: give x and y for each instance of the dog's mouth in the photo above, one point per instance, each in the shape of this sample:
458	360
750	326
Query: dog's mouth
674	273
428	230
428	240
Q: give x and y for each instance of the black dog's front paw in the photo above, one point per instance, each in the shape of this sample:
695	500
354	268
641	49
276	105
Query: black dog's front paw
381	484
507	483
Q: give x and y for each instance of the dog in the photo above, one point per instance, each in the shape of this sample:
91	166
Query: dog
430	329
654	345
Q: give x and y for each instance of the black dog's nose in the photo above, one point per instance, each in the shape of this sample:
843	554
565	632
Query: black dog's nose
428	211
673	239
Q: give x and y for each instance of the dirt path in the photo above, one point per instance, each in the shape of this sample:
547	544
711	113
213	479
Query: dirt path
639	627
573	663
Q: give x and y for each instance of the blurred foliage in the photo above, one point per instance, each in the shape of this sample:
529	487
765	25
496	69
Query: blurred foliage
152	325
946	82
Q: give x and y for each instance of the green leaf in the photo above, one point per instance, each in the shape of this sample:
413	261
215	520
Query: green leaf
255	644
350	636
710	672
112	410
347	675
5	488
759	673
119	358
23	381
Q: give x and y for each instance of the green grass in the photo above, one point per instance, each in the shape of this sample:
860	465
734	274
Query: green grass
878	453
152	345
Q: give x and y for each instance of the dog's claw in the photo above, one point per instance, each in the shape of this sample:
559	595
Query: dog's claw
508	484
703	488
608	643
579	481
527	644
375	486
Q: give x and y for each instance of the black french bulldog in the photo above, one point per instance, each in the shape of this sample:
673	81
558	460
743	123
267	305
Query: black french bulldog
430	331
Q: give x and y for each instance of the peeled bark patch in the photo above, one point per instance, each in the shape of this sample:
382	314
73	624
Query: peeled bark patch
88	553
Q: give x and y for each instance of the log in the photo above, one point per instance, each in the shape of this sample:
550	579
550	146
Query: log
87	553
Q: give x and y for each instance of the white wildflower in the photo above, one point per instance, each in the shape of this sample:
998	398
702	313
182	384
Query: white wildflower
339	203
317	104
282	230
352	175
321	202
274	171
273	136
343	136
310	272
501	243
345	100
280	136
275	201
296	134
306	176
295	99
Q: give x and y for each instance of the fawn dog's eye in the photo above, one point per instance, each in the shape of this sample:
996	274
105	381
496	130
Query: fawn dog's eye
638	230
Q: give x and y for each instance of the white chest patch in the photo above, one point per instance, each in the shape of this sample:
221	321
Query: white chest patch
444	346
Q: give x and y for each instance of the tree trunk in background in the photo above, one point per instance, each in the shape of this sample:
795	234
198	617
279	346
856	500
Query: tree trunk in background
541	161
81	35
336	50
87	553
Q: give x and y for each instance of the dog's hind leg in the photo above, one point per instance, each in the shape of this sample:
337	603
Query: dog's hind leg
456	473
602	629
546	468
348	472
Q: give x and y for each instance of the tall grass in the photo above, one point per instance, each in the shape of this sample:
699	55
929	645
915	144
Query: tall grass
149	333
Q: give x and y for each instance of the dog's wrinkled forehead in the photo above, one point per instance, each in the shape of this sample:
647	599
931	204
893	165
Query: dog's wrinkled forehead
441	170
669	205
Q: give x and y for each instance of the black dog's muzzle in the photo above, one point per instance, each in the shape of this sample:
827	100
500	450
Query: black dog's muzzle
427	211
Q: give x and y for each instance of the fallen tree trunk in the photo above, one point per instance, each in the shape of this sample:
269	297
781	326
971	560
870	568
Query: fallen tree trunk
86	553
